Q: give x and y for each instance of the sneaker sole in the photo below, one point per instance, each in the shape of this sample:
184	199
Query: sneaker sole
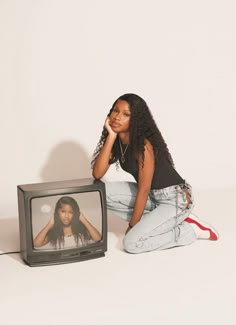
213	234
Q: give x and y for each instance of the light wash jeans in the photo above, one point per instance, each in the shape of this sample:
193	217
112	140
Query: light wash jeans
162	224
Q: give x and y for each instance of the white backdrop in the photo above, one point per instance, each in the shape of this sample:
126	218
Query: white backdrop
64	62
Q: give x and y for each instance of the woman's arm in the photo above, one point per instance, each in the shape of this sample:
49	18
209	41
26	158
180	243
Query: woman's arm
101	164
146	172
94	233
42	239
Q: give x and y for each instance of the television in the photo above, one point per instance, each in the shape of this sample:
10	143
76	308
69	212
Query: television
62	221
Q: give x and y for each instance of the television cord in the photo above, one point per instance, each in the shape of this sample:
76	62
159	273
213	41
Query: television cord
14	252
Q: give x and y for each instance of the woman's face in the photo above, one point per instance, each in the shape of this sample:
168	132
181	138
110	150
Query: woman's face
120	117
65	214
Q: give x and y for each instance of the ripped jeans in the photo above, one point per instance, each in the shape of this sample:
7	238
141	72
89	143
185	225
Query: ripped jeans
162	224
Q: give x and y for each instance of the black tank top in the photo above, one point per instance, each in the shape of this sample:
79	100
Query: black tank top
164	174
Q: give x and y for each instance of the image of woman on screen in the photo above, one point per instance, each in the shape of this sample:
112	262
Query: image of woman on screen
67	228
158	204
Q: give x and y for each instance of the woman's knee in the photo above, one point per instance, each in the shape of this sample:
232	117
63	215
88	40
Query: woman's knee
129	246
132	244
136	245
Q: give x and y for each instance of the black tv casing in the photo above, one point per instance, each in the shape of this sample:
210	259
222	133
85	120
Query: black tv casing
34	257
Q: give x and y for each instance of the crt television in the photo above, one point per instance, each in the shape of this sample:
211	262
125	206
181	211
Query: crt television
62	222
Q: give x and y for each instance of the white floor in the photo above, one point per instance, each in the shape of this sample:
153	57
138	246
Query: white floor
188	285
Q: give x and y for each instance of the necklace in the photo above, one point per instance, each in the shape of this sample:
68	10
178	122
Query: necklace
123	152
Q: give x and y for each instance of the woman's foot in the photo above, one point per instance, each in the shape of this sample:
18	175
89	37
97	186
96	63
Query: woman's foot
202	229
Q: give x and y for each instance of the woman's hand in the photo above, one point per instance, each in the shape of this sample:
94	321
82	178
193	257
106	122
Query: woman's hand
81	217
108	127
94	233
51	222
127	230
102	162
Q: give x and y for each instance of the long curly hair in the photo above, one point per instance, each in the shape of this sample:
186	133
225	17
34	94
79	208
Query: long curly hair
142	127
79	231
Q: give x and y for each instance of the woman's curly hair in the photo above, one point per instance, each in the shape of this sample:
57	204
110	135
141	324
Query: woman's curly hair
142	127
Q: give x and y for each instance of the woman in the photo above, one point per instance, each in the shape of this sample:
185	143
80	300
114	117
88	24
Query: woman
68	227
158	206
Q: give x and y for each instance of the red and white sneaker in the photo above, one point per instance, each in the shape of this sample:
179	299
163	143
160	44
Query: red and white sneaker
202	229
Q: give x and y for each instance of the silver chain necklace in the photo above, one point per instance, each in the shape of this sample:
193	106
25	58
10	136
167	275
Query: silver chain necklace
123	152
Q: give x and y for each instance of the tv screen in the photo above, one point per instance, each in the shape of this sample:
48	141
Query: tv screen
62	222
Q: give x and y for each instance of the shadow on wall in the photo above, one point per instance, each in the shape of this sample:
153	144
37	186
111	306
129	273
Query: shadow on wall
67	160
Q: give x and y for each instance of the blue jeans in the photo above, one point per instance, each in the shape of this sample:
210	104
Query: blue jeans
162	224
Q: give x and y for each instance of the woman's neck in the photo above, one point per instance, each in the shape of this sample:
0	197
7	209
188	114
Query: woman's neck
124	137
67	231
